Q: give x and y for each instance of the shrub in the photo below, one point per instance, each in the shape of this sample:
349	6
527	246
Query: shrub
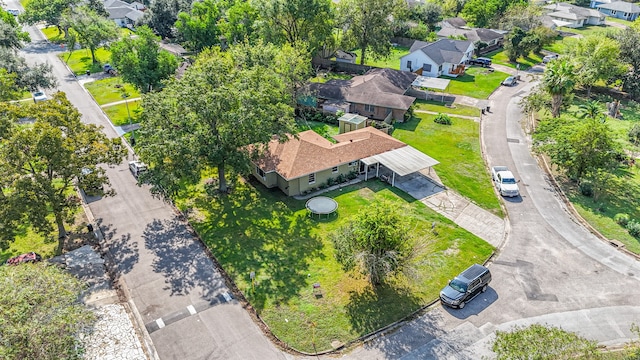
633	228
622	219
443	119
586	188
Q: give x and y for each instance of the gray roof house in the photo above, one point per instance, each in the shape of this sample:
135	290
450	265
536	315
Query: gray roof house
378	94
569	15
443	57
620	9
487	36
122	13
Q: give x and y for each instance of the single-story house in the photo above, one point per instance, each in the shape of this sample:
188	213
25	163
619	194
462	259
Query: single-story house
573	16
443	57
379	94
306	162
122	13
346	56
455	22
621	10
487	36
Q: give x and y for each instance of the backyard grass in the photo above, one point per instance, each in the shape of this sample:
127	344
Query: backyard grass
590	30
326	76
118	113
477	82
457	148
455	109
109	90
500	57
324	129
255	229
619	21
392	61
79	61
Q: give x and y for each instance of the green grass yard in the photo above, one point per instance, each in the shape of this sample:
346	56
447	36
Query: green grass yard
500	57
391	62
324	77
79	61
324	129
455	109
262	230
109	90
53	34
118	113
457	148
477	82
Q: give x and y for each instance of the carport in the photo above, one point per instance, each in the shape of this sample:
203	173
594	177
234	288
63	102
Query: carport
425	82
403	161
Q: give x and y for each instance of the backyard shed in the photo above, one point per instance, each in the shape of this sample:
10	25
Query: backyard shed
349	122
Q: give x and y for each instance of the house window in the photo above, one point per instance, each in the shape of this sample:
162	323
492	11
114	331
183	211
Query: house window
440	67
625	14
409	65
260	172
369	107
426	67
613	12
353	163
312	178
334	169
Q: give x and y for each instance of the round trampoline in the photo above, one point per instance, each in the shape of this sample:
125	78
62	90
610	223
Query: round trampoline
321	205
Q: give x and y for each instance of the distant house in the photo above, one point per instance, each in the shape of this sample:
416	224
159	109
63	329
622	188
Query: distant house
443	57
379	94
620	9
309	160
569	15
346	56
456	22
490	37
122	13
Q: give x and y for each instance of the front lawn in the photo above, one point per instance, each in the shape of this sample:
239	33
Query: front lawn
255	229
79	61
53	34
457	148
454	109
391	62
500	57
590	30
109	90
118	113
477	82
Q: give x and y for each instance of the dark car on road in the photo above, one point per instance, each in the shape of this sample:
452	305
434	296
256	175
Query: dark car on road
482	61
24	258
466	286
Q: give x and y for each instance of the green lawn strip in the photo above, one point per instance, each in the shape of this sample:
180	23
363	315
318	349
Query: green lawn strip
80	60
330	76
53	34
324	129
477	82
118	113
500	57
457	148
109	90
455	109
392	61
590	30
262	230
619	21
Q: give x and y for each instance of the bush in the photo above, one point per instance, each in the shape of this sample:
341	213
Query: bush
586	188
633	228
622	219
443	119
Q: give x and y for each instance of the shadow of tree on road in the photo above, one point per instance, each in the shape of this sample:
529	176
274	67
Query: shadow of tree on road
124	251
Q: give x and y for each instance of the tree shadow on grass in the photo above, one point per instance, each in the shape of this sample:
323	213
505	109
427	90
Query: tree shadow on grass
256	230
373	308
410	125
181	258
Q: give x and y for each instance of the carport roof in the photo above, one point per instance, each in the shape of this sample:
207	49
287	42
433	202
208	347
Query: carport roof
431	83
403	161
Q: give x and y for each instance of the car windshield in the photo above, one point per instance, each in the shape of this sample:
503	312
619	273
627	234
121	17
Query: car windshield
458	285
38	93
508	181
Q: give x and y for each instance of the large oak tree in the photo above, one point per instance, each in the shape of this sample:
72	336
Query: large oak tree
223	103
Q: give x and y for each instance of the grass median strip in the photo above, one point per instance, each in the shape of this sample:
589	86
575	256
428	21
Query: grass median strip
109	90
118	113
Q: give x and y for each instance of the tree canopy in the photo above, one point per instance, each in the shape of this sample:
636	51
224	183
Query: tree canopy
41	163
48	11
141	61
543	343
481	13
596	58
199	28
91	29
223	103
629	40
559	80
40	315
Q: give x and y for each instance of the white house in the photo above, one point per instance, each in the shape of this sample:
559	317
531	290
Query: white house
443	57
573	16
122	13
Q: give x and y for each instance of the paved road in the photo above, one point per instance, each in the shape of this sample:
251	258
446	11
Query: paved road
181	298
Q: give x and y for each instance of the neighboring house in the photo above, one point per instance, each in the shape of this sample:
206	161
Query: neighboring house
346	56
443	57
122	13
569	15
138	6
487	36
456	22
308	161
620	9
379	94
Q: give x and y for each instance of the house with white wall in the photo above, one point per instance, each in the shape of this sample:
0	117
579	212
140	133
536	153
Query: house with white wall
443	57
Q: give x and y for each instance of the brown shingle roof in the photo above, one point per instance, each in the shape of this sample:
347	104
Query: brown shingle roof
310	152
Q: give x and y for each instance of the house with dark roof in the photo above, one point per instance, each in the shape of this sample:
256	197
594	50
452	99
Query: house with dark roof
620	9
477	35
308	161
122	13
379	94
455	22
569	15
443	57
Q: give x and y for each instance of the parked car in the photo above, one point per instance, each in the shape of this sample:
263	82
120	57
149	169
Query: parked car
510	81
137	168
39	96
14	12
24	258
464	287
108	69
505	181
548	58
482	61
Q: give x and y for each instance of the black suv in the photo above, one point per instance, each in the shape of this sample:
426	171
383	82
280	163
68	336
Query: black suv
466	286
482	61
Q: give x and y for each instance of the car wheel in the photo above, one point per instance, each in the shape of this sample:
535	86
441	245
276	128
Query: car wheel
461	306
484	288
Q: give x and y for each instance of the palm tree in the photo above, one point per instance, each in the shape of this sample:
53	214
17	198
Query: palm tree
590	109
558	81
